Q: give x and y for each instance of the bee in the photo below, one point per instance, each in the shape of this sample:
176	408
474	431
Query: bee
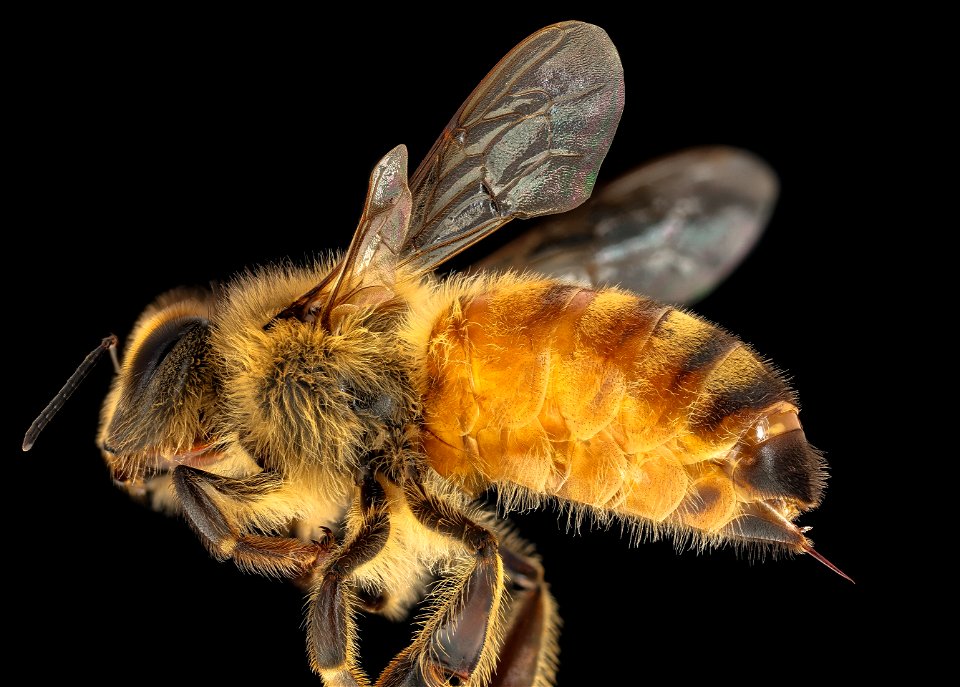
337	424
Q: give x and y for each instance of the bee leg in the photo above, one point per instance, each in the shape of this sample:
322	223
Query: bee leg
529	651
370	601
457	645
216	526
331	634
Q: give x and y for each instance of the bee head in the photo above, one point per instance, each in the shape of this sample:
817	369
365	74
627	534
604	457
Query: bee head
153	416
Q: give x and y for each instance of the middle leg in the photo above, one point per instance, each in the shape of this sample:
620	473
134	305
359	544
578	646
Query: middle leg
458	643
331	634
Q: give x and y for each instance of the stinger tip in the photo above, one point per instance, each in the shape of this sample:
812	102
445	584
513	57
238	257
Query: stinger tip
822	559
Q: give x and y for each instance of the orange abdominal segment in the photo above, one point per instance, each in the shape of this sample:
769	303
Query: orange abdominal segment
603	398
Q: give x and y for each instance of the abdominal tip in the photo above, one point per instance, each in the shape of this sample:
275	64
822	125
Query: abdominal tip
822	559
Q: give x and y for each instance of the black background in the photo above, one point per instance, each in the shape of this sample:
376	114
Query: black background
151	152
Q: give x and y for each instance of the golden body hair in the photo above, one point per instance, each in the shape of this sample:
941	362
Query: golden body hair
605	399
611	404
336	424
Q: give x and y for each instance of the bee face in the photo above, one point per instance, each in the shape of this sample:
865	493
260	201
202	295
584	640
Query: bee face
157	408
222	258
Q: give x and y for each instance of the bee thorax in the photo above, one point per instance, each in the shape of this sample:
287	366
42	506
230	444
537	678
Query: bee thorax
302	397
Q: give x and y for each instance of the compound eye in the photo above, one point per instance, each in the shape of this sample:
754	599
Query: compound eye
157	402
161	341
176	316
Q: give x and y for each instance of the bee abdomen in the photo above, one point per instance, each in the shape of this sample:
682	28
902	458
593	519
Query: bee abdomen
599	397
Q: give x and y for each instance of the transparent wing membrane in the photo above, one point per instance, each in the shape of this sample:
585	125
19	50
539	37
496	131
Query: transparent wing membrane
672	229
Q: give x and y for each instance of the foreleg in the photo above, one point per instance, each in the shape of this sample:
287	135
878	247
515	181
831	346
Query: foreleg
216	523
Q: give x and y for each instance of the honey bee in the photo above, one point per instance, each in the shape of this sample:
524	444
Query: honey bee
336	423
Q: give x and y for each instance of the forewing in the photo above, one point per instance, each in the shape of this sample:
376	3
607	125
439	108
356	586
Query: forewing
365	274
528	141
386	214
672	229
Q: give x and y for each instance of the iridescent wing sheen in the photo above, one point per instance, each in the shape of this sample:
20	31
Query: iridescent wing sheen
672	229
528	141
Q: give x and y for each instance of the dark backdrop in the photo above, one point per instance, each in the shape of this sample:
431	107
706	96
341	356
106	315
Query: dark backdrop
152	152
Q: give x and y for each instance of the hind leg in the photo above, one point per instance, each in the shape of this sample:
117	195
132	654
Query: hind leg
528	655
493	623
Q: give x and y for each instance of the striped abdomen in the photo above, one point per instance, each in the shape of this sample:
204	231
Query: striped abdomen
613	401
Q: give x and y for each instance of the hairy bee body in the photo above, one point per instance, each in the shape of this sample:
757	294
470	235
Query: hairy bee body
603	399
336	424
614	404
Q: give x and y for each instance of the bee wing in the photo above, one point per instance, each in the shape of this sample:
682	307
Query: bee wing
672	229
527	142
